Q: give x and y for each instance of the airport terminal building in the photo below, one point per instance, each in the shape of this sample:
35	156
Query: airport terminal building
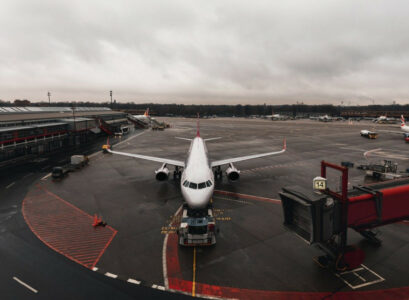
27	132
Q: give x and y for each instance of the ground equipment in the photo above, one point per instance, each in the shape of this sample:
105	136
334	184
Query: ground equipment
59	172
76	162
323	218
197	227
384	171
79	161
369	134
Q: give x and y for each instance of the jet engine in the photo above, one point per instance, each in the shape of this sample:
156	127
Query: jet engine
232	173
162	173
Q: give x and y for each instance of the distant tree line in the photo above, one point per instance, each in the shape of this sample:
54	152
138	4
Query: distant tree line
226	110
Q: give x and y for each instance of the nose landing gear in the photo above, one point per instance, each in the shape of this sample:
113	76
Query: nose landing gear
218	173
177	174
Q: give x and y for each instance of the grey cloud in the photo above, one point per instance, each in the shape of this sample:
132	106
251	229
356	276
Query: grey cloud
205	51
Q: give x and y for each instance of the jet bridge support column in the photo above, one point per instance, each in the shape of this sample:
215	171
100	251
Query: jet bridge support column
343	198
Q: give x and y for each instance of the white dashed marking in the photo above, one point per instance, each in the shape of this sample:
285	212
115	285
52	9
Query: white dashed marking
10	185
25	285
111	275
158	287
46	176
130	280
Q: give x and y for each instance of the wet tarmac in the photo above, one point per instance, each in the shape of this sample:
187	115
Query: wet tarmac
254	255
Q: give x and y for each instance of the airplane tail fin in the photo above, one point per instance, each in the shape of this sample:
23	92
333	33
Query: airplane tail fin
402	119
146	114
285	144
198	126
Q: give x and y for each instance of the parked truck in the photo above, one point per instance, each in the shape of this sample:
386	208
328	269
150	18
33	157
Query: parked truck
76	162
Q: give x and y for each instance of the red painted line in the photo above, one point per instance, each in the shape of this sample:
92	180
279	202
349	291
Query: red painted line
103	250
244	196
237	293
176	282
88	255
73	240
61	199
172	257
65	228
45	242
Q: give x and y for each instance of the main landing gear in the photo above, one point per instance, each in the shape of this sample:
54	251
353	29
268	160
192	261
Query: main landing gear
177	174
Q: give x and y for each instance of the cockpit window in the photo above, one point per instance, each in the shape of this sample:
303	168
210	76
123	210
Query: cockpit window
193	185
208	183
186	183
202	185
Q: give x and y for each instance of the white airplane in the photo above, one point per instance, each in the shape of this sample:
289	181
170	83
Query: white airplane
197	178
324	118
404	129
278	117
146	118
384	120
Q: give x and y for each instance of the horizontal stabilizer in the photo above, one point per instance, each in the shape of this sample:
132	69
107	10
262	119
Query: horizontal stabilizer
182	138
212	139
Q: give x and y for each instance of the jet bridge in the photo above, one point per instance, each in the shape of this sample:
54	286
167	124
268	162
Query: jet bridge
323	218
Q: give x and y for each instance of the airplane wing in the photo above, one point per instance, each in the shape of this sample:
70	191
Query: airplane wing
151	158
212	139
392	131
248	157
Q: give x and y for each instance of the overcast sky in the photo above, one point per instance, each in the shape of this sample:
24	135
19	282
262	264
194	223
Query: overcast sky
193	51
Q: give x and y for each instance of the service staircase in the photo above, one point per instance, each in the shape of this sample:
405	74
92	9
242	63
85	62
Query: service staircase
138	123
156	123
104	126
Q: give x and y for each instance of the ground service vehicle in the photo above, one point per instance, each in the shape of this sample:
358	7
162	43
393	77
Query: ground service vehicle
76	162
197	227
59	172
369	134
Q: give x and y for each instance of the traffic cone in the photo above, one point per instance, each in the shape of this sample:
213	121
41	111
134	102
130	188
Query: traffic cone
96	221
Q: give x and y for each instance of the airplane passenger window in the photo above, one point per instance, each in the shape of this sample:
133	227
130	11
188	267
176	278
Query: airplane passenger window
202	185
193	185
208	183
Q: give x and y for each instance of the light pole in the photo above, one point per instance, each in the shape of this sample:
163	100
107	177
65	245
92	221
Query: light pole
49	98
110	93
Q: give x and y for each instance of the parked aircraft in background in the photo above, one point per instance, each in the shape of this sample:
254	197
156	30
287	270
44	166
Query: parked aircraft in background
404	129
324	118
384	120
277	117
146	118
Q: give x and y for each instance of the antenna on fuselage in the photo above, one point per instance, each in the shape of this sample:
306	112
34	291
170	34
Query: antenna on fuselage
198	126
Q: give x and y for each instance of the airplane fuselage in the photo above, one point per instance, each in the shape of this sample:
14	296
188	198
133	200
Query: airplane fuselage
197	180
404	128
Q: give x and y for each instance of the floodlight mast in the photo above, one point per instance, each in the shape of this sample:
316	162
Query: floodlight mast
110	93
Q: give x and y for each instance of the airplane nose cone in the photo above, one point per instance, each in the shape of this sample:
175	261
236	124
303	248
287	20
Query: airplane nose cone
197	199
